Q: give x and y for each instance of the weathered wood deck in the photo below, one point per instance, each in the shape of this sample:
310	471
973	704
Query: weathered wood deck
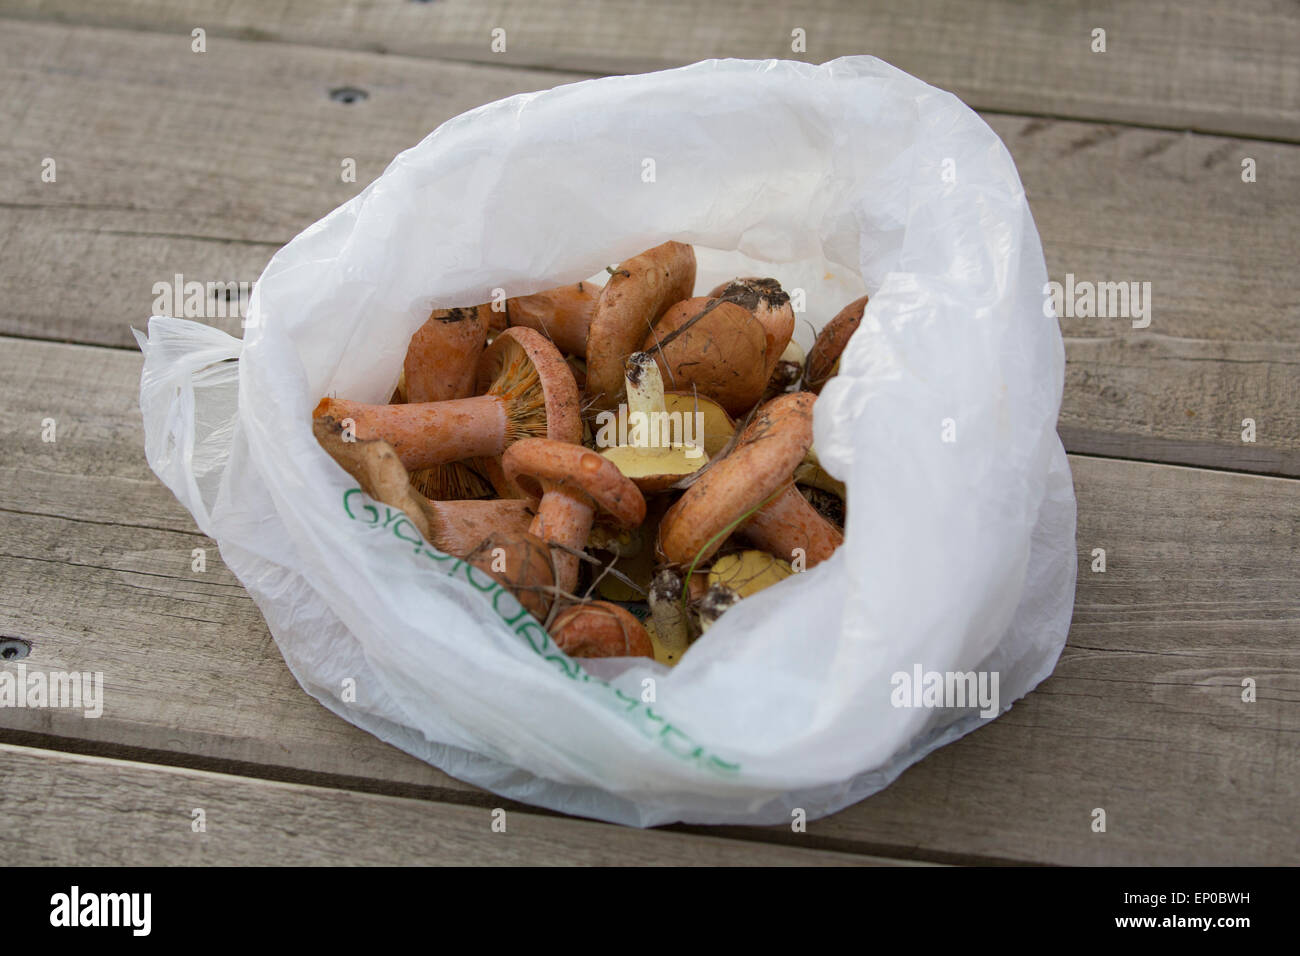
170	161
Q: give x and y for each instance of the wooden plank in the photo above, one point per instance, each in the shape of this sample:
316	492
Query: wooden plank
1175	65
143	814
1143	716
189	168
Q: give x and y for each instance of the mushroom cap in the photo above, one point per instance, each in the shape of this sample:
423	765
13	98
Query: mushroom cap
561	404
458	527
534	464
562	314
633	299
831	341
442	357
717	346
719	427
655	473
768	303
600	629
528	573
761	464
559	391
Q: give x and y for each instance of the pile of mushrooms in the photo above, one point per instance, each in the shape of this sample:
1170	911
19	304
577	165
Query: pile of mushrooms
555	446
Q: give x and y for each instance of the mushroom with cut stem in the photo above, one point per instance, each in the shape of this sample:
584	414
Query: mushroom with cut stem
714	345
750	490
636	295
600	629
770	304
824	357
529	393
563	314
570	482
650	458
453	527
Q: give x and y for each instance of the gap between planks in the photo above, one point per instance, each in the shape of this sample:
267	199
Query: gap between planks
1168	65
1111	203
143	814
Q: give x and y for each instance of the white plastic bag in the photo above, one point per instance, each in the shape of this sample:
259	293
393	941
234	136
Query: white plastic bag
836	179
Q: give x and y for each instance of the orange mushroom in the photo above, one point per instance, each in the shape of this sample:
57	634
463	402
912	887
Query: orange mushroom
751	490
570	483
770	305
600	629
442	359
716	346
637	294
521	562
824	357
529	392
453	527
563	315
442	364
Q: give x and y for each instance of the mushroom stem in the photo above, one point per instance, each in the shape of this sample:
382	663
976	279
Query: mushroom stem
645	396
788	522
564	518
669	615
427	433
716	601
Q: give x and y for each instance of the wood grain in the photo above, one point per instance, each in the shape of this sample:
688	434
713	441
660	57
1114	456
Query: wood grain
142	814
1143	716
190	168
1189	65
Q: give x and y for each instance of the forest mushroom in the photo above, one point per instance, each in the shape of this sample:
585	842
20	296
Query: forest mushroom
600	629
521	562
453	527
442	357
442	364
770	305
571	483
824	357
750	490
636	295
653	457
715	346
529	392
563	315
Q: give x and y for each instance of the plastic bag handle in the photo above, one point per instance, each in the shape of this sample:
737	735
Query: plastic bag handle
189	401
